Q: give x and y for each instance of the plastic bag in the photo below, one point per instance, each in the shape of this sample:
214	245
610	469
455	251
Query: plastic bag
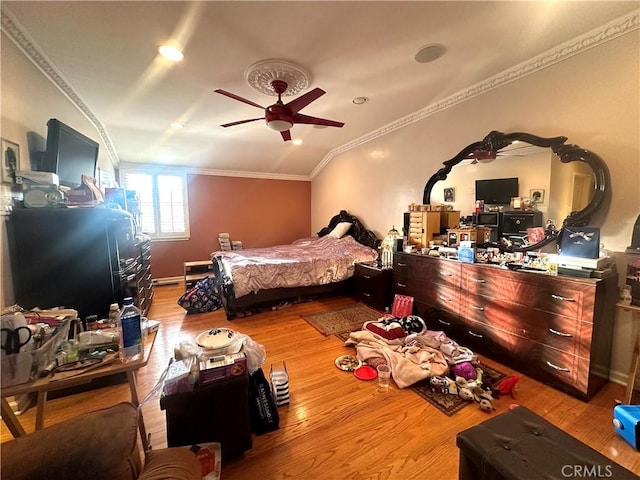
255	352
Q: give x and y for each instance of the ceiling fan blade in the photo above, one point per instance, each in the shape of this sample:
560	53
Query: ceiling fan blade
299	118
302	101
241	122
236	97
286	135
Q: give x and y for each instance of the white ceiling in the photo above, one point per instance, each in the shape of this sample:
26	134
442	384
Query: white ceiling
107	54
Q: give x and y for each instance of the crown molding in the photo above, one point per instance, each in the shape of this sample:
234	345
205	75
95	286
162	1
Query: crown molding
597	36
182	170
19	36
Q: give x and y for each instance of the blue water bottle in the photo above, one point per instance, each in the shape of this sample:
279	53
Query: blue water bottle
129	323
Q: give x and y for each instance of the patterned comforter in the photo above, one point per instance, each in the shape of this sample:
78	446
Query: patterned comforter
305	262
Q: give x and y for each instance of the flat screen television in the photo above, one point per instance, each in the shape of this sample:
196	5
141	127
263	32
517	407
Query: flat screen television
70	154
497	191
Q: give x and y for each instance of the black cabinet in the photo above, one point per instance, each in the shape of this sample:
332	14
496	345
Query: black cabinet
83	258
373	285
218	412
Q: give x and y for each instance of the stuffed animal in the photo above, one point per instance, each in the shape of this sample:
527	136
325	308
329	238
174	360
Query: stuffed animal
442	384
507	386
485	402
473	391
465	370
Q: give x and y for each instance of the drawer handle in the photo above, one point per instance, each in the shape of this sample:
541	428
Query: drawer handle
401	285
366	294
555	367
560	334
477	308
400	264
442	297
477	335
445	274
367	276
478	280
564	299
448	324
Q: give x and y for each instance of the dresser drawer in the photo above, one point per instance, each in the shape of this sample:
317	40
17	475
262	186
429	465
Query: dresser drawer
563	333
553	366
483	338
549	294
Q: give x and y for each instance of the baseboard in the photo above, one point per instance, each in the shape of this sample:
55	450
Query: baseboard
168	280
618	377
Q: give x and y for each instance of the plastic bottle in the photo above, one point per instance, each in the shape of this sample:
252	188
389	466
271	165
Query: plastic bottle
114	313
131	347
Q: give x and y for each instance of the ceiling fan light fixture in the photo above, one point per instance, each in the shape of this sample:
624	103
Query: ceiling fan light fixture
279	125
171	53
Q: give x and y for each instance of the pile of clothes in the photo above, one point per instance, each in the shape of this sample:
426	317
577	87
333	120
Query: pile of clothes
415	353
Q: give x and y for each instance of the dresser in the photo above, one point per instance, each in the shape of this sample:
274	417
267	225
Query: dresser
555	329
83	258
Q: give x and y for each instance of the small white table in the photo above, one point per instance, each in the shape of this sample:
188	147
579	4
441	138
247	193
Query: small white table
635	357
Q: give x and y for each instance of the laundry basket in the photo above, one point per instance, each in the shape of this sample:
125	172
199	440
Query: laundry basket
279	384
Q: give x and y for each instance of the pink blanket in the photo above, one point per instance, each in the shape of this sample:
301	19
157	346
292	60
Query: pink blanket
305	262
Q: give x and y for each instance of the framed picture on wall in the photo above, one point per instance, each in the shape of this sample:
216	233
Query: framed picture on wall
449	194
536	195
10	161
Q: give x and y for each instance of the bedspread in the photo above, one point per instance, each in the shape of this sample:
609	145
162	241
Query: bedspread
305	262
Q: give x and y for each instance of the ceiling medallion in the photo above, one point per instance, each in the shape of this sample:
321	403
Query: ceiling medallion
260	75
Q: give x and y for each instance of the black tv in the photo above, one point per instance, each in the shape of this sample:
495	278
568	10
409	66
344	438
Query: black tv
70	154
497	191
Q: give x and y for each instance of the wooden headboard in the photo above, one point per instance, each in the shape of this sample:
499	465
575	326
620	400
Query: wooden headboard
357	230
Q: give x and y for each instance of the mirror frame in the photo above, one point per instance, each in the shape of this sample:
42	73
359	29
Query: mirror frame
566	153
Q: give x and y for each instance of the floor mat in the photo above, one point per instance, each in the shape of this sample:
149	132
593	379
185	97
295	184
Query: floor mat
342	321
451	404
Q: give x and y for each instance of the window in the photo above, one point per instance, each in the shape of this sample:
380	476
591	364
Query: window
162	198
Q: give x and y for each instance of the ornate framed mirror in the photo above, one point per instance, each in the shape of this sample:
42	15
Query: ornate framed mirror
591	184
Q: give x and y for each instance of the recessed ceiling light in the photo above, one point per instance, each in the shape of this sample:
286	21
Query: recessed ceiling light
297	141
360	100
171	53
429	53
176	125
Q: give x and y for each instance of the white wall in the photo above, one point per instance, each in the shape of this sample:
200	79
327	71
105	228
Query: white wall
592	98
28	101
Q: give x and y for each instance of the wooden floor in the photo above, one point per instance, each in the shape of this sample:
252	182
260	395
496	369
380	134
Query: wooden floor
336	426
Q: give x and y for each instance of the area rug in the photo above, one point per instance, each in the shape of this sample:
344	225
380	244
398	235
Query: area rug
451	404
342	322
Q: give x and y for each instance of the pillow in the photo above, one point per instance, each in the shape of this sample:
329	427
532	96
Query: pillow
340	229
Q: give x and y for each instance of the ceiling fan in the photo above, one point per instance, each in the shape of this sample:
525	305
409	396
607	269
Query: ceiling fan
282	116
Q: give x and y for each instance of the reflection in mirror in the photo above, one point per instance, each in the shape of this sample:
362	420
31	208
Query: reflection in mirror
571	181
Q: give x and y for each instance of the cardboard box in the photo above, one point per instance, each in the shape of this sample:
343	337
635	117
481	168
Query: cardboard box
215	369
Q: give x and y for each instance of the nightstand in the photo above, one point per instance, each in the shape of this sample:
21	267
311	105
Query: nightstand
373	285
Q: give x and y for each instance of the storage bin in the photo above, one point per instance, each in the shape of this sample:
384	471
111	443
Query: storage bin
626	421
20	367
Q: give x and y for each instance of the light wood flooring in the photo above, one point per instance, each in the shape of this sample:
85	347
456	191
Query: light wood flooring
336	426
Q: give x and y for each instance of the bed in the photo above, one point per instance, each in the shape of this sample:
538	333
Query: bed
252	279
